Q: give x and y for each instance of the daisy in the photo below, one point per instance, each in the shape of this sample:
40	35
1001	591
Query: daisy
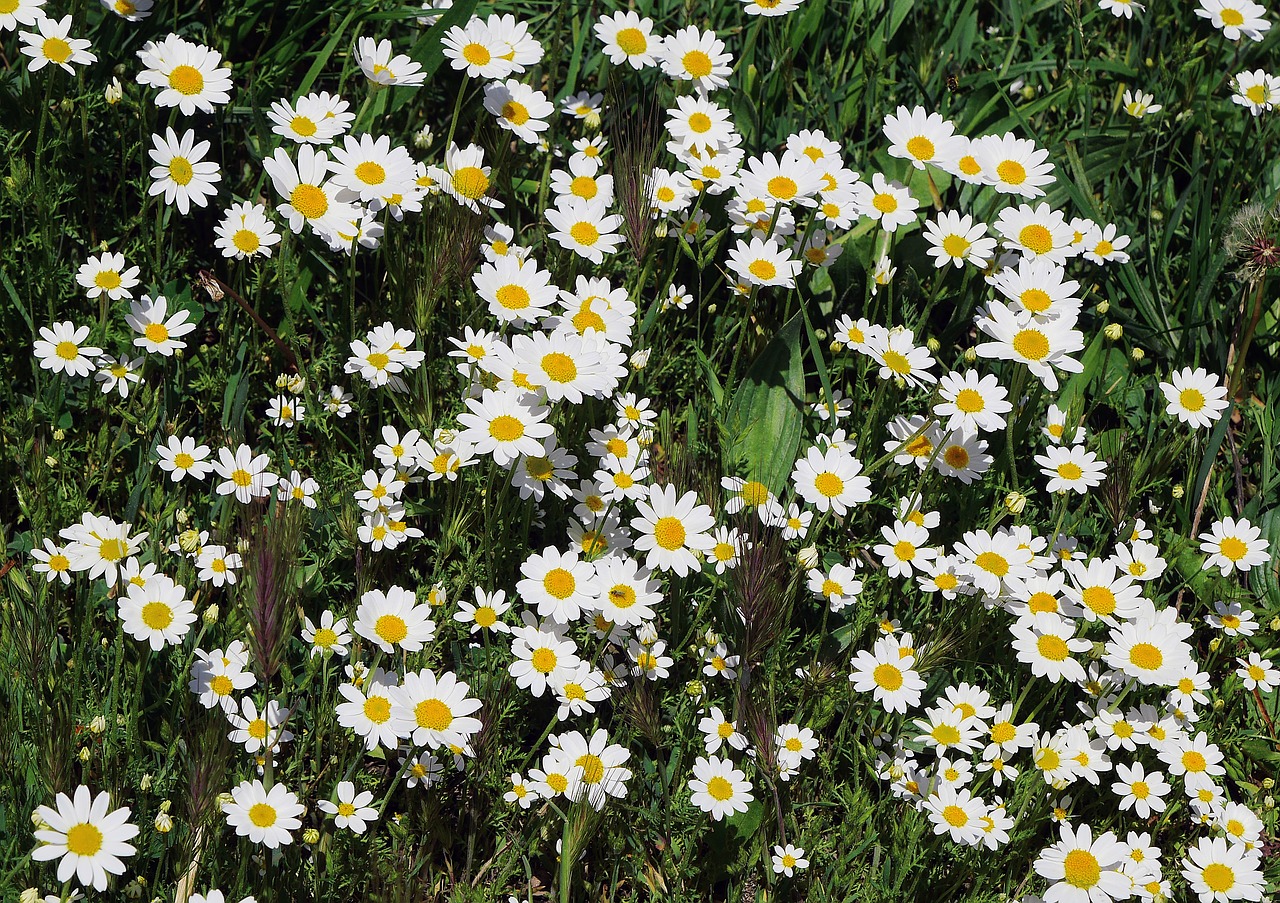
265	817
899	357
956	812
157	334
696	56
597	771
586	228
52	43
579	691
118	373
1038	290
972	403
352	809
789	859
955	238
182	457
181	173
107	274
393	619
921	137
1071	468
310	196
670	531
793	180
60	348
1042	347
1140	790
584	180
1234	544
1082	868
718	788
53	562
244	475
963	456
1257	673
434	711
477	50
542	657
87	837
305	121
764	262
296	488
1196	397
628	38
504	424
839	586
699	123
1218	871
1139	104
1258	91
889	203
1235	18
904	549
519	109
259	730
517	291
888	674
718	730
1120	8
1046	643
246	232
626	590
331	637
1036	232
217	566
558	583
367	710
1102	245
188	75
21	12
1197	761
1013	165
830	480
159	613
380	67
486	613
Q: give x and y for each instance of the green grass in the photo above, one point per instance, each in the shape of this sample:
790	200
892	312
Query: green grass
732	378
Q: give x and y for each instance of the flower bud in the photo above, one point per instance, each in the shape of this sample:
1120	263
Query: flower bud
1268	802
164	824
693	689
1015	502
84	754
1275	624
933	345
1215	644
1113	331
437	596
145	783
640	359
182	517
311	837
1103	307
1179	491
59	435
970	355
1137	353
189	541
1268	783
808	557
210	614
98	724
30	895
50	461
423	137
242	546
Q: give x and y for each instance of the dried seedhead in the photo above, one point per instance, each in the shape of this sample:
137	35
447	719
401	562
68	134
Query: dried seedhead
634	129
1251	239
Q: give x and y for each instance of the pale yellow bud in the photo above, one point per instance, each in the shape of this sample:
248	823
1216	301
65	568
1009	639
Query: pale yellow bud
164	823
1015	502
1103	307
98	724
1113	331
210	614
1137	354
311	836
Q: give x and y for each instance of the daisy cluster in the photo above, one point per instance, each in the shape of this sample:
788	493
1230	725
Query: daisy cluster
544	401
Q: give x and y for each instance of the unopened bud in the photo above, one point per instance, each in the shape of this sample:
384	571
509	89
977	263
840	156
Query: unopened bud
164	824
1179	491
84	754
1215	644
933	345
970	355
640	359
1219	705
1137	354
98	724
423	137
210	614
30	895
1113	331
189	541
114	92
808	557
242	546
1103	307
145	783
59	435
1268	802
1275	624
1268	783
1015	502
311	837
693	689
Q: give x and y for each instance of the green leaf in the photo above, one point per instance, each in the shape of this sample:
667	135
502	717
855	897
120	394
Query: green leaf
766	416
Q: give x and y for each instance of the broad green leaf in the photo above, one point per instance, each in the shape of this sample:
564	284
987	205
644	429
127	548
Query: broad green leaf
766	416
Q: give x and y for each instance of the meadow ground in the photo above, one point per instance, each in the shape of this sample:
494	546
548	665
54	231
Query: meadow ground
765	450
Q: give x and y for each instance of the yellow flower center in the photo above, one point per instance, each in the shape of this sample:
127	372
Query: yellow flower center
1081	869
719	789
697	64
84	839
1031	344
506	428
377	709
262	815
631	41
309	201
433	714
1217	877
1146	656
186	80
669	533
1011	172
1036	239
887	677
921	148
391	628
471	182
584	233
828	484
57	50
